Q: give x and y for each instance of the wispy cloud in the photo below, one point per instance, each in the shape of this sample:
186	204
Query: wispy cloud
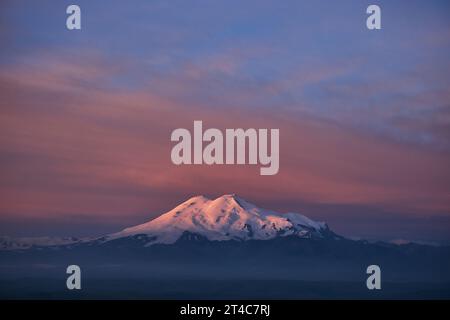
107	153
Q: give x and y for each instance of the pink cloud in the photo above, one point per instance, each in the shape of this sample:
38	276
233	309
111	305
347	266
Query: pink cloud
107	153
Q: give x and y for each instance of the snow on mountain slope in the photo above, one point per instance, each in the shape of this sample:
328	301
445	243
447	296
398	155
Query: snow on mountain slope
225	218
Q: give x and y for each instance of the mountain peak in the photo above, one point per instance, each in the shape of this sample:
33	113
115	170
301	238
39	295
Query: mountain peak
232	196
228	217
197	198
229	196
228	200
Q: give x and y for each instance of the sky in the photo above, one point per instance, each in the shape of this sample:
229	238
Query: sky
364	115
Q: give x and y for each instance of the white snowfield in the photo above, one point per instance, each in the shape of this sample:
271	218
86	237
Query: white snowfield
225	218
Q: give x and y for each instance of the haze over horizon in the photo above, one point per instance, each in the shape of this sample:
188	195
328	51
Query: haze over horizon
364	117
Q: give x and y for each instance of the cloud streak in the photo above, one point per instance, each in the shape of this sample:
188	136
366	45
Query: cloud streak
71	148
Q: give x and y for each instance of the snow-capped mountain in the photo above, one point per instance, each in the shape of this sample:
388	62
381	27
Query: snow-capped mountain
225	218
225	238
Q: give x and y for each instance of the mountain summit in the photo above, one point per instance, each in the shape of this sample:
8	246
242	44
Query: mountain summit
228	217
225	218
228	242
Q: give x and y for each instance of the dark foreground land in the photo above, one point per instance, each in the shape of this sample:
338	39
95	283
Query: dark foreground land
216	289
283	268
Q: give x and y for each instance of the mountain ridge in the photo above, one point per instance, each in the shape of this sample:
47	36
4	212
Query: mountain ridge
195	246
228	217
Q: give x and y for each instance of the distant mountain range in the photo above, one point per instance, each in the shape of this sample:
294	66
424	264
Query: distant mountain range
225	239
225	218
